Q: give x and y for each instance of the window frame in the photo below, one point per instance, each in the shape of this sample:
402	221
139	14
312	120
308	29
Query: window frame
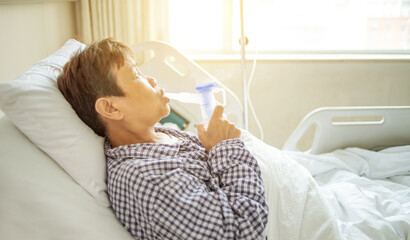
228	51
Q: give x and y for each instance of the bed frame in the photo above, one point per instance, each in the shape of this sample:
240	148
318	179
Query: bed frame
365	127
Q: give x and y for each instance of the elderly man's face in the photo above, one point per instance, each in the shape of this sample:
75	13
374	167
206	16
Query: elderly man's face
144	101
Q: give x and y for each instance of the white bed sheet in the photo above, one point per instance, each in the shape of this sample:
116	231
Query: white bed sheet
368	192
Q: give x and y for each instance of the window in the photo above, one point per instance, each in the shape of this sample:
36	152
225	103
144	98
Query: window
197	25
213	26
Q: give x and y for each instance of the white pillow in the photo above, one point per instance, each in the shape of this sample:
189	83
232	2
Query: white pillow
34	104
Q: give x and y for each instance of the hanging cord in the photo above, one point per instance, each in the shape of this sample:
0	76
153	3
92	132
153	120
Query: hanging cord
246	94
249	97
244	41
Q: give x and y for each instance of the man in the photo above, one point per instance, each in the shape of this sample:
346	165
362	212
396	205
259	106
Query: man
163	183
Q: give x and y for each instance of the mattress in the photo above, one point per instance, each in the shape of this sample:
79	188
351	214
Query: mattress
39	200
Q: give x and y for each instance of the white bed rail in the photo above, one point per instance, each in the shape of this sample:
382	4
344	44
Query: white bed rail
365	127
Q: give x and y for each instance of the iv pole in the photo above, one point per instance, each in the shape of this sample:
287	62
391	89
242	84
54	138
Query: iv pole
244	42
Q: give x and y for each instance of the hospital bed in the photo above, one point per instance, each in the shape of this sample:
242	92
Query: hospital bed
52	168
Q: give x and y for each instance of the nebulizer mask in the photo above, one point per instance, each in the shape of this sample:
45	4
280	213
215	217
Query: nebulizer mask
205	97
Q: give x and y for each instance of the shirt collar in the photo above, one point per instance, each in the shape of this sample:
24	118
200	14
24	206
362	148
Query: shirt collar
145	150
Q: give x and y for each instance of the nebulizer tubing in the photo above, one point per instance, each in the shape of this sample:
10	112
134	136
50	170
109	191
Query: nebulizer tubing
185	97
204	97
249	98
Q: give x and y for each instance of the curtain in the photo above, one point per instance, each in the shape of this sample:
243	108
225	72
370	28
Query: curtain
128	21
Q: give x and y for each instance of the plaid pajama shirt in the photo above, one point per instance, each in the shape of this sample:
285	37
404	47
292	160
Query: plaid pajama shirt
179	191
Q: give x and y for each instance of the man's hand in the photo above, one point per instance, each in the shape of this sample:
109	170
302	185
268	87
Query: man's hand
218	130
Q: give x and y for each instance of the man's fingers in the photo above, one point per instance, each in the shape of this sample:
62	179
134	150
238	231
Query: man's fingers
200	128
218	112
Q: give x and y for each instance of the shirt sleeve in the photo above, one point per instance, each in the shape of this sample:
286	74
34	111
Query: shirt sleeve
240	179
227	204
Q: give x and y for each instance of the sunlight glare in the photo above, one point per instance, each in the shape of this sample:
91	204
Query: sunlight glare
196	23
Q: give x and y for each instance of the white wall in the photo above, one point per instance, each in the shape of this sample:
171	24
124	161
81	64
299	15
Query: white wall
32	31
284	91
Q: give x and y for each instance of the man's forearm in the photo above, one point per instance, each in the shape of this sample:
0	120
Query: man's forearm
240	179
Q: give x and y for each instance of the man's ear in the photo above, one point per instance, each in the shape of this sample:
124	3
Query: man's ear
104	106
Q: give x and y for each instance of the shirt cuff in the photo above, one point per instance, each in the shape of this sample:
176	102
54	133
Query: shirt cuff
231	141
228	154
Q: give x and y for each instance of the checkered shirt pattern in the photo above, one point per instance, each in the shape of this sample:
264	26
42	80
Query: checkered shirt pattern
179	191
